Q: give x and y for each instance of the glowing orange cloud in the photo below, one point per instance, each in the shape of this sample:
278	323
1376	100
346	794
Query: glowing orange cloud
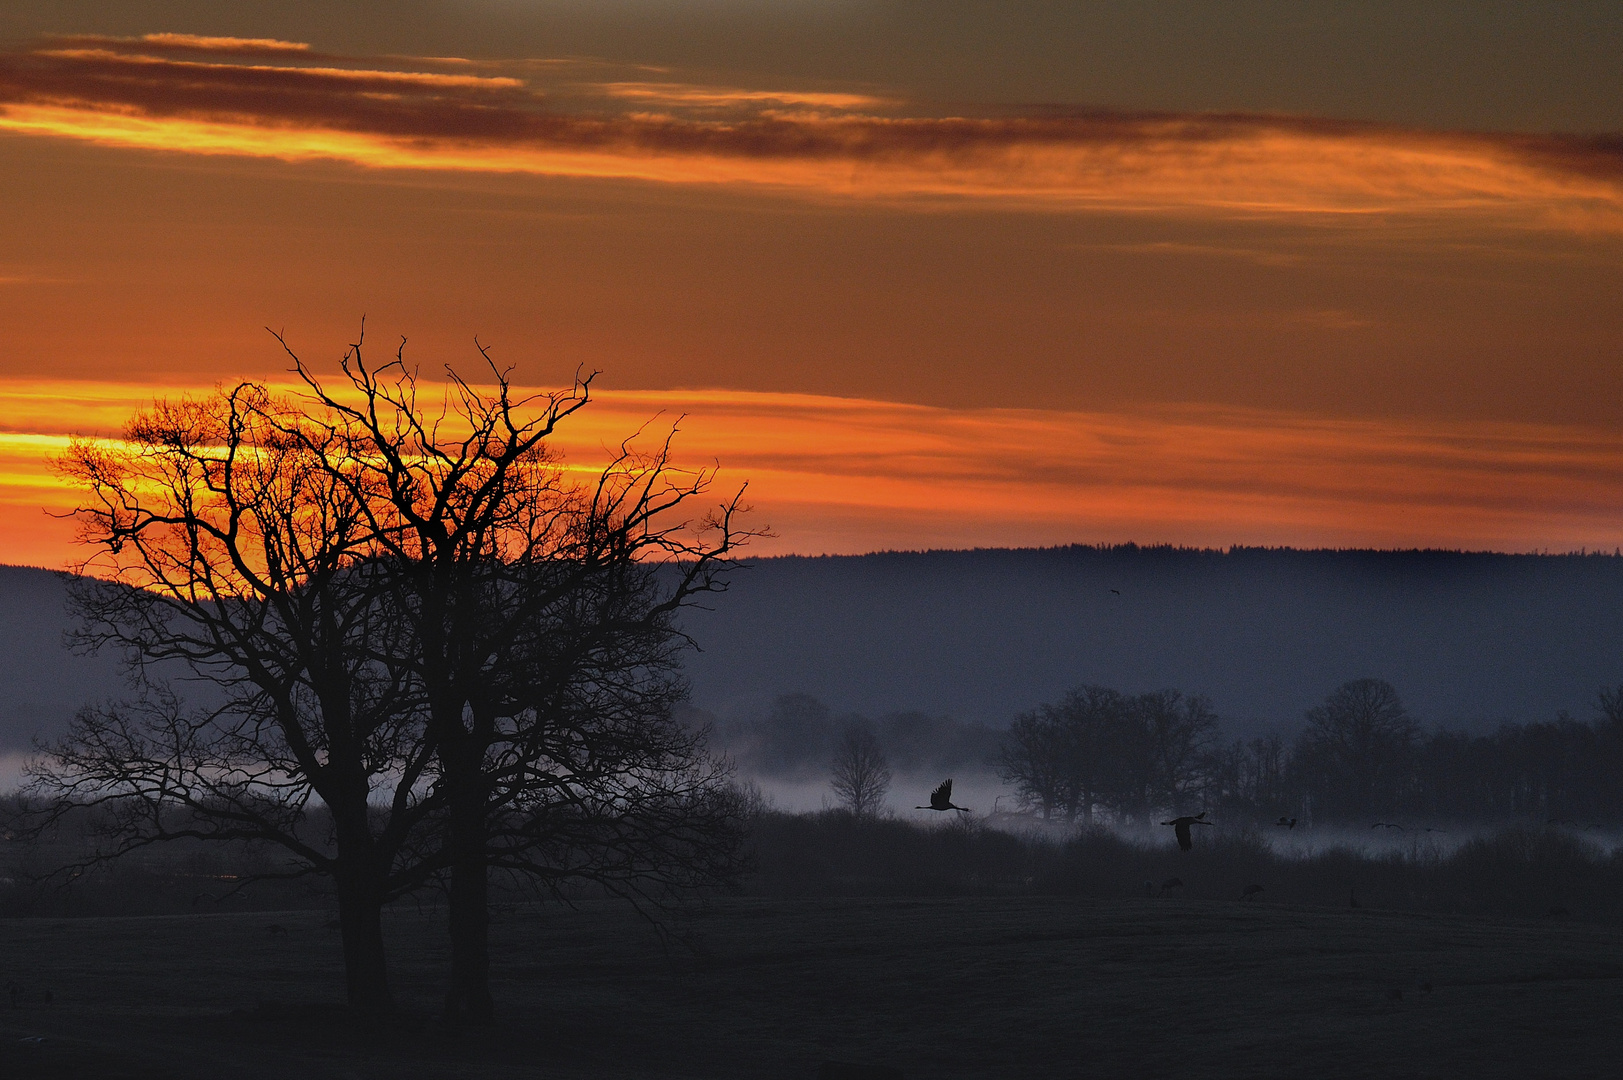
1228	165
846	475
230	46
666	93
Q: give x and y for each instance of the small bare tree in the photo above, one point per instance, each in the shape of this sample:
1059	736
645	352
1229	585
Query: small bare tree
861	773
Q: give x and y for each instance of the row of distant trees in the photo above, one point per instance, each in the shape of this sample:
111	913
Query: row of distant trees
1101	750
1098	752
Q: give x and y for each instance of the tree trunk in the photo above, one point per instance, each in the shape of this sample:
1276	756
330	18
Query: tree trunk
469	995
360	919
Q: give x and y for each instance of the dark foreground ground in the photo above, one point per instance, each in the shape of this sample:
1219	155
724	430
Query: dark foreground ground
1023	987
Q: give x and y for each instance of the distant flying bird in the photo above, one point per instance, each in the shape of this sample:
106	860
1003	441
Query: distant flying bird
1386	825
1288	822
1250	892
1180	828
1116	591
941	799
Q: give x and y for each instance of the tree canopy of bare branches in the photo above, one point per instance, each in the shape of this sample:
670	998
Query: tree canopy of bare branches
540	619
861	774
1359	746
408	602
228	553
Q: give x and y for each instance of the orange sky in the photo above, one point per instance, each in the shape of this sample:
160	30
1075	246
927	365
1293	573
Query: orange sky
908	319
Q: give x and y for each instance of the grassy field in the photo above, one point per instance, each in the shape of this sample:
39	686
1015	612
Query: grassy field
942	988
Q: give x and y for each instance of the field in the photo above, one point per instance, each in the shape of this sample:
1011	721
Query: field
941	988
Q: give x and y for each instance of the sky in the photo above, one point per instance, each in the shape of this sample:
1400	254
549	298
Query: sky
921	274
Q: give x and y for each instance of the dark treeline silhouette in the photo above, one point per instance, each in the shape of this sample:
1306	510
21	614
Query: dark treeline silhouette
1099	754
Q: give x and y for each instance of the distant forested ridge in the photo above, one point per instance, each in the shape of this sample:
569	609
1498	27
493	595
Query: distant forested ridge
41	683
1470	640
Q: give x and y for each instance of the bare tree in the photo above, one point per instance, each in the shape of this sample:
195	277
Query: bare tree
229	553
540	615
1359	748
1609	702
1180	730
413	600
861	773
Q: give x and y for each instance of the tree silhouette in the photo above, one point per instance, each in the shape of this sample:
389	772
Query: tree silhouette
540	636
1359	748
861	773
1035	760
415	599
228	552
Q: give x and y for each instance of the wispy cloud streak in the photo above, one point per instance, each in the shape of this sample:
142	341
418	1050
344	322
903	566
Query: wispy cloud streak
835	474
278	99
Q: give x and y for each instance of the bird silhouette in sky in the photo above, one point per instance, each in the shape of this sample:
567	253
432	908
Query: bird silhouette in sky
1386	825
941	799
1116	591
1288	822
1180	828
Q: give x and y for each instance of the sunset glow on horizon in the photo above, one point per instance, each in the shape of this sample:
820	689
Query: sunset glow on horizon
845	476
930	296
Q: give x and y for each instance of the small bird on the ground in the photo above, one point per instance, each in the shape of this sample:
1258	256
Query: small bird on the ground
1250	892
1180	828
1288	822
941	799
